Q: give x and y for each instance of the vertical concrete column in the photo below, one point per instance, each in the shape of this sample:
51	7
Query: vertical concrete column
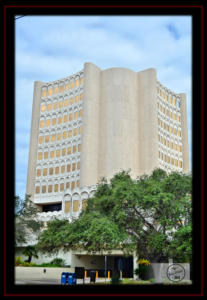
184	126
148	124
31	171
90	134
118	147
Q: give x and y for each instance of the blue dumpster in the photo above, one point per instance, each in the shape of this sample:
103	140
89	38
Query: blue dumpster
64	278
72	278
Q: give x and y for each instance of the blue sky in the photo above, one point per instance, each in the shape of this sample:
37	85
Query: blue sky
49	48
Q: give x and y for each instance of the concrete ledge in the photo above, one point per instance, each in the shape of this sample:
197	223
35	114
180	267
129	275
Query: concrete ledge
26	273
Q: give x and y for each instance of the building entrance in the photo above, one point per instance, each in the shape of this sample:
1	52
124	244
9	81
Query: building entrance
124	264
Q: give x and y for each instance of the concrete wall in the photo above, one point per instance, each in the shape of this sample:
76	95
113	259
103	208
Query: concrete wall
31	171
25	273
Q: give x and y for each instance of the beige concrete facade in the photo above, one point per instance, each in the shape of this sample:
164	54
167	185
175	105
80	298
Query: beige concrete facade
97	122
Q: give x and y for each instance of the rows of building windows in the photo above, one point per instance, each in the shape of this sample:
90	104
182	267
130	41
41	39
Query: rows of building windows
170	129
55	188
172	99
168	113
58	169
169	144
65	134
58	152
60	119
62	103
54	89
170	160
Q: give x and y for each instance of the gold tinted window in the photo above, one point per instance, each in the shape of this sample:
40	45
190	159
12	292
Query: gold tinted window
71	101
44	189
78	183
84	204
180	148
62	169
43	108
172	161
50	91
68	168
49	106
80	130
75	115
53	138
64	134
45	172
56	90
42	124
37	190
61	186
74	149
78	165
55	105
76	99
47	138
51	171
65	118
58	136
82	80
57	170
79	148
70	133
61	104
175	131
75	132
58	153
75	205
56	188
48	123
72	85
81	96
46	155
67	87
67	205
73	167
50	188
67	185
52	154
66	102
44	93
80	113
77	82
73	185
63	151
61	88
39	155
38	172
176	162
59	120
53	121
180	164
175	147
69	150
40	139
70	117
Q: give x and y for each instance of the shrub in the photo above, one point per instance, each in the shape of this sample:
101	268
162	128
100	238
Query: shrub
18	261
58	261
152	280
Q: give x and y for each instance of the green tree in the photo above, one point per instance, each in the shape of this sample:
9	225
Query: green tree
30	251
25	219
148	215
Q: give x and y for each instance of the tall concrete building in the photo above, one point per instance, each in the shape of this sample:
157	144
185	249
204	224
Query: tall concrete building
95	123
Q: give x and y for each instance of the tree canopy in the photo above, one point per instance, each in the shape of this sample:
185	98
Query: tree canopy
150	215
25	219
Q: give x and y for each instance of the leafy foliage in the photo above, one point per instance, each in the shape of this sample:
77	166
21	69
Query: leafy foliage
150	215
25	219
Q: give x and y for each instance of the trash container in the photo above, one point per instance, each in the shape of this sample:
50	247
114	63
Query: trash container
64	278
93	276
72	278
